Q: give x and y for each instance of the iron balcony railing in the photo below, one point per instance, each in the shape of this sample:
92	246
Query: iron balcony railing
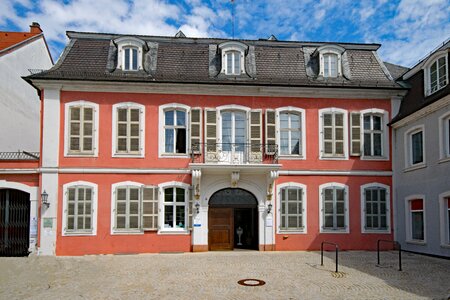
20	155
234	153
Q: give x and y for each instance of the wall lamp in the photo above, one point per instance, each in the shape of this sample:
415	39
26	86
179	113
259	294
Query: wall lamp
197	207
269	208
44	198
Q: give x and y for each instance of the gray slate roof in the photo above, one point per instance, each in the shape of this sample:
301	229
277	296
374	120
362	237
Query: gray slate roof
396	70
187	60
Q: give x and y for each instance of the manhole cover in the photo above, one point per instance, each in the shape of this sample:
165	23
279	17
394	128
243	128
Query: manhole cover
251	282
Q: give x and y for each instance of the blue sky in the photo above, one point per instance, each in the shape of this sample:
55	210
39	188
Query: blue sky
407	29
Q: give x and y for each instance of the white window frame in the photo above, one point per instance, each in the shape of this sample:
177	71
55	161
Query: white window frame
321	208
330	49
427	72
408	220
295	185
295	110
142	118
385	135
113	208
94	207
231	107
173	184
333	110
233	46
388	207
409	149
444	142
162	137
444	219
95	129
129	42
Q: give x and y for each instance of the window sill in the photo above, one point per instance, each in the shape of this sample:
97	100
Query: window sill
127	233
128	155
292	157
174	155
447	246
174	232
79	234
333	158
368	231
287	232
340	231
376	158
444	160
415	167
87	155
416	242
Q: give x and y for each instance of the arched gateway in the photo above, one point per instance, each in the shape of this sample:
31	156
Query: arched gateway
233	220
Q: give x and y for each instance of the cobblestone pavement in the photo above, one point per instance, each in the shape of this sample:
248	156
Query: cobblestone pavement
214	275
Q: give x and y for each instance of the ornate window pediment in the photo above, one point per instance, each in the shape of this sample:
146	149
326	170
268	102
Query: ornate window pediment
233	58
330	57
130	53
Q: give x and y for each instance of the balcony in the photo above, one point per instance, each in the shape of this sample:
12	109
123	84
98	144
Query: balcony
234	153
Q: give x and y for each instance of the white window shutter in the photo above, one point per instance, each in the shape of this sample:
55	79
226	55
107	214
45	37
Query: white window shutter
190	209
355	134
196	130
255	135
270	132
210	129
150	208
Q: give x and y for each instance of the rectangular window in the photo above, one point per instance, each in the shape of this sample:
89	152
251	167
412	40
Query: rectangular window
290	133
334	208
130	59
81	130
373	135
174	208
79	209
417	219
330	65
437	73
417	147
233	63
375	208
128	130
175	131
333	134
292	211
127	208
448	219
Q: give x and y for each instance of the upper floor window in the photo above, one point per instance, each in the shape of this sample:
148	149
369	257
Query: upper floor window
130	53
436	73
444	136
334	207
333	133
415	147
80	208
375	208
330	60
174	129
128	129
81	138
288	132
292	207
233	54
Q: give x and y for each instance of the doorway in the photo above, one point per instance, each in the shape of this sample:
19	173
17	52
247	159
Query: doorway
233	220
14	222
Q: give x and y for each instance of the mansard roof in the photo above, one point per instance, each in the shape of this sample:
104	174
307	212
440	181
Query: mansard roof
197	60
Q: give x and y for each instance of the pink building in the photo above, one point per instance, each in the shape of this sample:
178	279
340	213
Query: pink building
155	144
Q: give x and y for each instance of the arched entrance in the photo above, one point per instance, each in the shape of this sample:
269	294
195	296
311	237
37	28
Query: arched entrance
14	222
232	211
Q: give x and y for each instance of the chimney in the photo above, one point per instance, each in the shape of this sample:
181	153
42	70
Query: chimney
35	28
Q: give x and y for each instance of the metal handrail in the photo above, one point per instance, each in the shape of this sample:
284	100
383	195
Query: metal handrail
399	252
19	155
234	153
337	252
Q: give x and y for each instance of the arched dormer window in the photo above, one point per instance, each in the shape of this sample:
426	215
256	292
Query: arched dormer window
330	60
436	72
130	53
233	58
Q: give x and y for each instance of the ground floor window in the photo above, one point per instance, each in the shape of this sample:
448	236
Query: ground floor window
375	206
292	208
416	220
334	208
174	208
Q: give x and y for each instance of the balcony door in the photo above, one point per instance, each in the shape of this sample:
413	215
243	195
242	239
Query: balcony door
234	136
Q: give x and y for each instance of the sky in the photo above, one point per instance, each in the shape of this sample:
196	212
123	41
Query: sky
407	29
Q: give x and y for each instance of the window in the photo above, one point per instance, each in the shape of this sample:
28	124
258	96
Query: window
128	129
127	208
444	136
415	218
373	135
436	73
80	208
233	54
414	146
175	131
292	207
290	133
375	208
81	118
175	210
334	208
130	53
130	57
333	133
330	60
444	206
330	65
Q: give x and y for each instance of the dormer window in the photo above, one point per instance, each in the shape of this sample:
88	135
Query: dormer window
130	53
330	60
436	73
233	58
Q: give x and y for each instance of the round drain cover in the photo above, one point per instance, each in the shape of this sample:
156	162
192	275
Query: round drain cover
251	282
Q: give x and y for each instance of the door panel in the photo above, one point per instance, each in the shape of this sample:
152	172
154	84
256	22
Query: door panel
221	228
